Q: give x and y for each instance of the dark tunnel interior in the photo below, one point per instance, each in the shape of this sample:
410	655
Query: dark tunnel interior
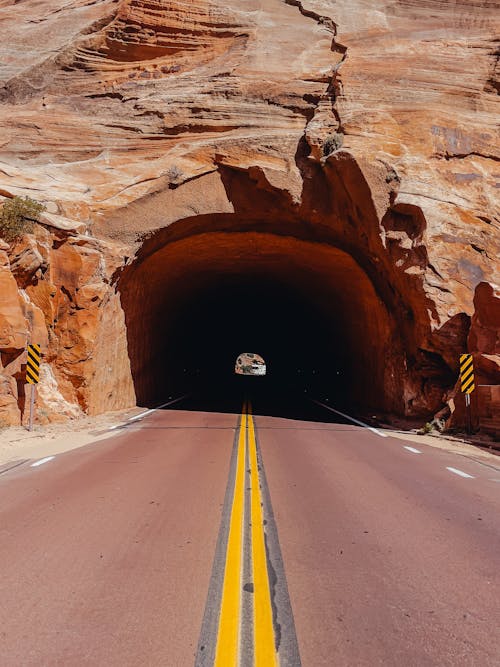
254	313
308	309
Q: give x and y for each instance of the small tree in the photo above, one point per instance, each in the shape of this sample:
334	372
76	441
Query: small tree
17	216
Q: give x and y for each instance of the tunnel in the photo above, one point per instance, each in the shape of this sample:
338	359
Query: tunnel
193	304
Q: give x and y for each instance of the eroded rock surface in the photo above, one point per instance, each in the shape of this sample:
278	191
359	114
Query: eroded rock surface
129	117
69	308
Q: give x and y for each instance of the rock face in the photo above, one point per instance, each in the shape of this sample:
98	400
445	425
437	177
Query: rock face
368	128
484	339
63	301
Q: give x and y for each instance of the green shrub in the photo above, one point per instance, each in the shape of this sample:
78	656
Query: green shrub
426	429
17	216
332	143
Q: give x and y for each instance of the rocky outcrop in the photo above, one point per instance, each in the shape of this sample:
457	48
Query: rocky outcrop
165	119
56	292
484	339
484	336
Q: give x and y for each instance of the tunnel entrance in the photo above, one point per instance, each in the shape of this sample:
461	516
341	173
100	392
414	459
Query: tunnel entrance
193	304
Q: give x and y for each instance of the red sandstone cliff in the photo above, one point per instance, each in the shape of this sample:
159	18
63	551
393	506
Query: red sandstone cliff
127	116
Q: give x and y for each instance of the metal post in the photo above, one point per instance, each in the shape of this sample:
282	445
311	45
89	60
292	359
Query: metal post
32	406
468	414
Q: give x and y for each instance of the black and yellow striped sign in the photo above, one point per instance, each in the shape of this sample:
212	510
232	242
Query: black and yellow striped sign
466	374
33	364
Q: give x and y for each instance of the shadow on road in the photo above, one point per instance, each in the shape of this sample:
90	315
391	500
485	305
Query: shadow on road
266	399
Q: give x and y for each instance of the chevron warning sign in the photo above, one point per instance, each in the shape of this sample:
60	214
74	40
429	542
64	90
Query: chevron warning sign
33	364
467	374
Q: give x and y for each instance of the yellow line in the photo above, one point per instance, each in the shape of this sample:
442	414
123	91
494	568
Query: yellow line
264	649
227	649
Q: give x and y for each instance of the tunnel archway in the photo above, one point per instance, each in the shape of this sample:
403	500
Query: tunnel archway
193	303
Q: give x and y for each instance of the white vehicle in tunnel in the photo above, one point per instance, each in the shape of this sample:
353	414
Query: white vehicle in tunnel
249	363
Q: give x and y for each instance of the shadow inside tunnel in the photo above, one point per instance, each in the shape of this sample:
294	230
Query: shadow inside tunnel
267	399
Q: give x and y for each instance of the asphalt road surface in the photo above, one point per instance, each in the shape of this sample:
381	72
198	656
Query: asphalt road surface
199	536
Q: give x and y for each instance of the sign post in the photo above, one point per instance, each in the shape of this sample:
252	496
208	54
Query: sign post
467	385
33	377
32	406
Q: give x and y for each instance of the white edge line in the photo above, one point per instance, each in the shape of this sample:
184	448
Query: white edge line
460	472
412	450
148	412
163	405
42	461
356	421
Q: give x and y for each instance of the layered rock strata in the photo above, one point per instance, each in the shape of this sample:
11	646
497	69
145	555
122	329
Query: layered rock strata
133	118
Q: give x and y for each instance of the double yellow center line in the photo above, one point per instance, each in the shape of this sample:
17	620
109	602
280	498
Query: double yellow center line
228	652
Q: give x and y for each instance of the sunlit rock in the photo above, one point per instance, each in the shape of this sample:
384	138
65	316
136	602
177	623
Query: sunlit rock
366	128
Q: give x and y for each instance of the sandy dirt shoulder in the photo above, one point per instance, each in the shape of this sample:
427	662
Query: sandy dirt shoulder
449	443
18	444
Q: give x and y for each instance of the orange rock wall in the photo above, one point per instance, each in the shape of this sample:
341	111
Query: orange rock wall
127	117
62	300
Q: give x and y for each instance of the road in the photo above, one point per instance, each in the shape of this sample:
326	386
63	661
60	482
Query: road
194	536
